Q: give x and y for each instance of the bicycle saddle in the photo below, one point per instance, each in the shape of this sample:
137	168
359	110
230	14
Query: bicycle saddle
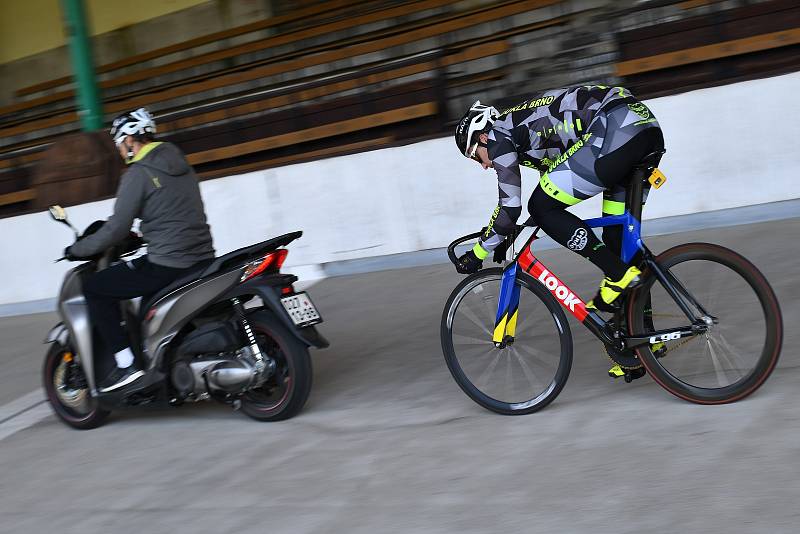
651	160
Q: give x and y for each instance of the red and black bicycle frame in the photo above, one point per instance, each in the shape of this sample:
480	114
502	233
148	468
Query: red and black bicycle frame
526	262
630	220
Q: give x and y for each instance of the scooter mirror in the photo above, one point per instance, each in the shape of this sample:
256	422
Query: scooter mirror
58	213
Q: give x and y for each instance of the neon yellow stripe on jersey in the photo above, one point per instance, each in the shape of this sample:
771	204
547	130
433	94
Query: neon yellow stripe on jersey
556	192
612	207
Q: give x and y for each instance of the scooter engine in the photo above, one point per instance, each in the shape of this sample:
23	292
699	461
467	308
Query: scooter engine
208	359
182	379
224	373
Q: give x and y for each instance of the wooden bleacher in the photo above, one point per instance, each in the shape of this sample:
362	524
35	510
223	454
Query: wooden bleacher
757	40
318	10
284	97
310	90
292	61
233	134
378	123
152	73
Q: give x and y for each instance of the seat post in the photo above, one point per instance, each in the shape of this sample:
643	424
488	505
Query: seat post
634	198
635	193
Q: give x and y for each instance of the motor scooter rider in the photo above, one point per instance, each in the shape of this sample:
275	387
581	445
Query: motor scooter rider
160	188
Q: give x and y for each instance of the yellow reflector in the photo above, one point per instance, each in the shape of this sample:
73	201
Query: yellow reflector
67	357
657	179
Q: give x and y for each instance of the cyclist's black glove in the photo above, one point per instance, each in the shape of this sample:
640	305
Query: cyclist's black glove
468	263
500	252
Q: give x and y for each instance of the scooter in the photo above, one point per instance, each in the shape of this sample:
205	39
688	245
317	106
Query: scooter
234	331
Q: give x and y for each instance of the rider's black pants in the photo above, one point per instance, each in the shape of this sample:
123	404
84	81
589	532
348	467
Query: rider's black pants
566	228
105	289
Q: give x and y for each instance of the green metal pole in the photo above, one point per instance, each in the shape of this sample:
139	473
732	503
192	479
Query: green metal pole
80	49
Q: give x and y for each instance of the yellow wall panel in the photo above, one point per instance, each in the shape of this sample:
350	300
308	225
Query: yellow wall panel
28	27
108	15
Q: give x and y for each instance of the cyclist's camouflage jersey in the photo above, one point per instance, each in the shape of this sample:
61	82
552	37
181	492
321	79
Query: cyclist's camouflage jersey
561	133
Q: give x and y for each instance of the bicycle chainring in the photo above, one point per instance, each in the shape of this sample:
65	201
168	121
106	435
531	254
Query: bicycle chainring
626	359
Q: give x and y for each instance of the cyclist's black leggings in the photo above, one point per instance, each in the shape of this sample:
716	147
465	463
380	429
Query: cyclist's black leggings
569	230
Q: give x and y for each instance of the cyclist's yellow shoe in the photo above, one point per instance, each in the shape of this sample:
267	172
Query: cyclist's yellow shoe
610	290
630	375
616	372
659	349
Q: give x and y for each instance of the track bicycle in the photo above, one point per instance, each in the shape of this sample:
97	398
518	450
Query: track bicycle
703	321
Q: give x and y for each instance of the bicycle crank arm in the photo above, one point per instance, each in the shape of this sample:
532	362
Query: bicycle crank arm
661	336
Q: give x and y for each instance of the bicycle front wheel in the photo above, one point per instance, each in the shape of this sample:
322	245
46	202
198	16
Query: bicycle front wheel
525	374
737	353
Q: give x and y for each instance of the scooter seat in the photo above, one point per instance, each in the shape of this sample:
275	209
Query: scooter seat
211	267
191	276
245	254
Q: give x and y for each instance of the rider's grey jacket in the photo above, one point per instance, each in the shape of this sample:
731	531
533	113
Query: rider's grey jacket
161	189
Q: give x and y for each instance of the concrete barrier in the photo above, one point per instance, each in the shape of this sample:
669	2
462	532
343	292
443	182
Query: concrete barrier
727	146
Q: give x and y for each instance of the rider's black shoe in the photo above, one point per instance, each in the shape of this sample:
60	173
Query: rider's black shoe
120	378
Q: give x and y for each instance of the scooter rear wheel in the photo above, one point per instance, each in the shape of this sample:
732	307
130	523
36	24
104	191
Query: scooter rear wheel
286	392
67	390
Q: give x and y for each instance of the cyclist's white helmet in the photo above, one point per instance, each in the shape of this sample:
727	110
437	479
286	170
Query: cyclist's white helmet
478	119
138	122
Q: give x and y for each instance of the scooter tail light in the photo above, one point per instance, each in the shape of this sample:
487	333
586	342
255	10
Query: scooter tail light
272	260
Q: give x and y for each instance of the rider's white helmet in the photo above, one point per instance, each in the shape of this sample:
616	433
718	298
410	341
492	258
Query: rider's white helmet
478	119
138	122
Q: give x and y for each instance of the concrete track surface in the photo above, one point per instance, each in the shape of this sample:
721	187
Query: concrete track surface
389	443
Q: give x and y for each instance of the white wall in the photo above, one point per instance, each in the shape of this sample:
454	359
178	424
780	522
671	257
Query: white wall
726	147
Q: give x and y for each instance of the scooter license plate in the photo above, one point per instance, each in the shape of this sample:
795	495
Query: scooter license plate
301	310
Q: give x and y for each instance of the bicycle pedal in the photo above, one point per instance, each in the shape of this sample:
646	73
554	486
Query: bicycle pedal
628	374
633	374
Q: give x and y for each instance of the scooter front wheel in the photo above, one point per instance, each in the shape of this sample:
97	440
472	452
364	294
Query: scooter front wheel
68	391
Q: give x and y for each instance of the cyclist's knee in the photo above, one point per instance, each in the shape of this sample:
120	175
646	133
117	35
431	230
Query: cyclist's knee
540	204
612	237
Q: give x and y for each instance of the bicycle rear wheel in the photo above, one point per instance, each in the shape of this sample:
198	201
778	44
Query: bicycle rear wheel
737	354
521	377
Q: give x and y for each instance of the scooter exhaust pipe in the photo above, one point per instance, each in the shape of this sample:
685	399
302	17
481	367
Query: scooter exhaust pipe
230	376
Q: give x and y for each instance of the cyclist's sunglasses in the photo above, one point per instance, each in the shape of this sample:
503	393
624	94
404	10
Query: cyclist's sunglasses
473	154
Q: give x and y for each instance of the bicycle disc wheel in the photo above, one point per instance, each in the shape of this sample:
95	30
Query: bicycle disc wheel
523	376
737	354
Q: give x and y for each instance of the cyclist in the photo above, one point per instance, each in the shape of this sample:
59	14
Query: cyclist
583	140
161	189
